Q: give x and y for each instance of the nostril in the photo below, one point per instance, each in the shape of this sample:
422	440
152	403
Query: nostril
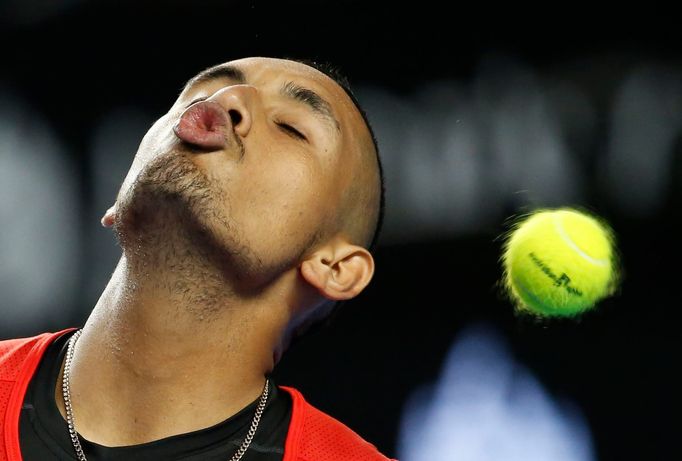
235	116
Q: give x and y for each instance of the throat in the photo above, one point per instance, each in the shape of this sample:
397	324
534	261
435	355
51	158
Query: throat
146	369
139	420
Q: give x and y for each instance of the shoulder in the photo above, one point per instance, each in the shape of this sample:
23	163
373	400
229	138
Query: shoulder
315	435
14	353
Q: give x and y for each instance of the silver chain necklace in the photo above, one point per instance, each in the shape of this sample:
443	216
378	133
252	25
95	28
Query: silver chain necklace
66	390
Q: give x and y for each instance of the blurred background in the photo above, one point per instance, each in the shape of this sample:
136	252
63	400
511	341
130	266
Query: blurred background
481	112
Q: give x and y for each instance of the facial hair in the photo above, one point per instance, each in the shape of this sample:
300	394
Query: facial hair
166	222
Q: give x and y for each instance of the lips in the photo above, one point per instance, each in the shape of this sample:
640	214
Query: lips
204	124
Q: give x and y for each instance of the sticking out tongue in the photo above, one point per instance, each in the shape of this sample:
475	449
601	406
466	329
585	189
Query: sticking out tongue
205	125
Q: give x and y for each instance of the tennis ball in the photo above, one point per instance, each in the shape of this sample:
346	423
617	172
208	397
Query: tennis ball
559	263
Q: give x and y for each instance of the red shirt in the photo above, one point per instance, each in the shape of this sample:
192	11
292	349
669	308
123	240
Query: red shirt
312	436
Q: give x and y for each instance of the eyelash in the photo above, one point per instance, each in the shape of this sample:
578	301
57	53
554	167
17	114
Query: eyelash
290	130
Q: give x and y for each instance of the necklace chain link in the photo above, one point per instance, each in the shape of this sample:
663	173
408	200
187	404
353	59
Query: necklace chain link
66	391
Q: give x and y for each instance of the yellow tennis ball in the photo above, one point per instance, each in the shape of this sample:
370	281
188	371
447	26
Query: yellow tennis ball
559	263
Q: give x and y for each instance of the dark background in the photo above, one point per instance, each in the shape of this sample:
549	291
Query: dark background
73	62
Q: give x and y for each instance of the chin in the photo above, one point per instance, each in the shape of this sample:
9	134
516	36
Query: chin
170	191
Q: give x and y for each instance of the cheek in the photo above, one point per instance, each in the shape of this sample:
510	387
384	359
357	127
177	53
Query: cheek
284	200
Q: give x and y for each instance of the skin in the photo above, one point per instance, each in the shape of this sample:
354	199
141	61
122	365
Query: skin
225	253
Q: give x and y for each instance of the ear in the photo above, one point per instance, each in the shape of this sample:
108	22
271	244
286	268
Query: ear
339	271
109	217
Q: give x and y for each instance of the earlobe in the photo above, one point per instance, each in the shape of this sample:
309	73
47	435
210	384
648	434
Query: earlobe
109	217
342	274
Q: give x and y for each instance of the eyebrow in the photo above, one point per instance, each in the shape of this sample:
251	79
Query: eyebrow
311	99
225	71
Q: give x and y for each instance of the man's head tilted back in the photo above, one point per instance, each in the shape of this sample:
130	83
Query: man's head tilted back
261	184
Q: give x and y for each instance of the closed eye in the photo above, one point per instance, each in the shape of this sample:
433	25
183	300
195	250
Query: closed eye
290	130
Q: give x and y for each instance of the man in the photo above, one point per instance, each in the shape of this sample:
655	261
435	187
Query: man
248	211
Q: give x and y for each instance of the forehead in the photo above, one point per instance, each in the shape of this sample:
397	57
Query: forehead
266	65
262	71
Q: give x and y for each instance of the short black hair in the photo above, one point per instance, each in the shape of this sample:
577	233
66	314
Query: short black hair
335	74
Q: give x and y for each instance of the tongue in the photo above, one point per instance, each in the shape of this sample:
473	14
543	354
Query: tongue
204	124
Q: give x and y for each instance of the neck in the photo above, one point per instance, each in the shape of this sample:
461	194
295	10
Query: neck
168	351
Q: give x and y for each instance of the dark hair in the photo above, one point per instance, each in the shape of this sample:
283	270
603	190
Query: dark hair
335	74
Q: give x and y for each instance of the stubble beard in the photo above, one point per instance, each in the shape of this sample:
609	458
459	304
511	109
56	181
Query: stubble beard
165	224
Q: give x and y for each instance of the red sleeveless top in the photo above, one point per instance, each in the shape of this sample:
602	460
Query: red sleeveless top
313	435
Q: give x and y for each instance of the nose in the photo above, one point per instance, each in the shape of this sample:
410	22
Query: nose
208	123
238	101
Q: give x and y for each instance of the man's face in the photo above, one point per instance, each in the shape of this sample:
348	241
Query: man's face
277	177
